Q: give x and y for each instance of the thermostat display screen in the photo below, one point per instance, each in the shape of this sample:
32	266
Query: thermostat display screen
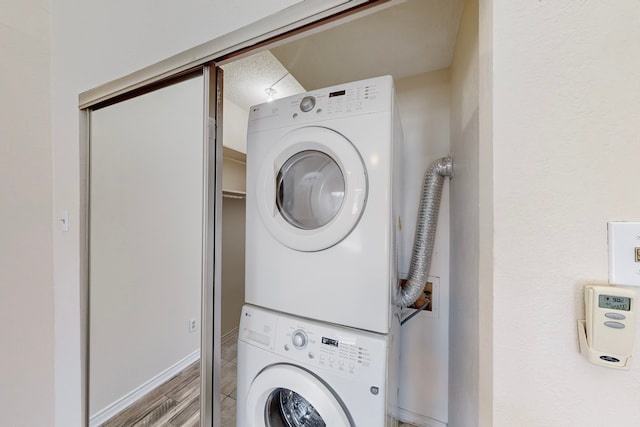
614	303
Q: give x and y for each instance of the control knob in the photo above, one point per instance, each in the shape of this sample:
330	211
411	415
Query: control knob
307	103
299	339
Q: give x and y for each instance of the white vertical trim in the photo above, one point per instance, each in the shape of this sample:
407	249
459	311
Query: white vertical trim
209	390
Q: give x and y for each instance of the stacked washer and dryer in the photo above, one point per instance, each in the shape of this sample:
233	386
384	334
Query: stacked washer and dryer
318	337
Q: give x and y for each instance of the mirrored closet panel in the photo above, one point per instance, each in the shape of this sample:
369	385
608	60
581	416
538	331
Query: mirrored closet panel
146	226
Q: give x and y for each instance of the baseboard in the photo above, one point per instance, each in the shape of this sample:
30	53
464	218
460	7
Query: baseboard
229	335
127	400
418	420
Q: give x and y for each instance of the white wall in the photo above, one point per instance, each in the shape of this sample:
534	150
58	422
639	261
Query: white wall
424	105
26	224
234	130
94	43
233	238
465	228
234	176
566	160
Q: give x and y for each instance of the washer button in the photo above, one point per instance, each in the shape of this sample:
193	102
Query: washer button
615	316
615	325
311	355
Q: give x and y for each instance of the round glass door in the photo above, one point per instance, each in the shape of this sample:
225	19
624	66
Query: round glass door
310	189
286	408
284	395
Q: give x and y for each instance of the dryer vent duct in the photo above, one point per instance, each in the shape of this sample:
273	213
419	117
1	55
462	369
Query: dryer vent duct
425	230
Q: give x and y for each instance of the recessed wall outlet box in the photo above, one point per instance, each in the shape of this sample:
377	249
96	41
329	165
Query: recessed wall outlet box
624	253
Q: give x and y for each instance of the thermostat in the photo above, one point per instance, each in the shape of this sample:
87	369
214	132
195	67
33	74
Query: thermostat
606	335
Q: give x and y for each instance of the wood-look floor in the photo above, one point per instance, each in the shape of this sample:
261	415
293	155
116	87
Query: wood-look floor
175	403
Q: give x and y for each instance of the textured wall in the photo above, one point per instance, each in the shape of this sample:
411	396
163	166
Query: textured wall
26	285
566	148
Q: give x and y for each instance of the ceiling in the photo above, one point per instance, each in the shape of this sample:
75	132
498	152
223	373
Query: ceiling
246	79
406	39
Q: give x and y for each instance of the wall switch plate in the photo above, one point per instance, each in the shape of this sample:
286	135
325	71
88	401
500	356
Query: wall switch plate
64	221
193	324
624	253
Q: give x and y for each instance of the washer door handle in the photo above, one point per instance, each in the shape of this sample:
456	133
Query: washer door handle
325	400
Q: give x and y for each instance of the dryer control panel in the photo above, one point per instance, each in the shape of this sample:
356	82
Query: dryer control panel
365	96
344	351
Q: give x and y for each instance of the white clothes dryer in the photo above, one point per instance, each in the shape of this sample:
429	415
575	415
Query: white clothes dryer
323	198
295	372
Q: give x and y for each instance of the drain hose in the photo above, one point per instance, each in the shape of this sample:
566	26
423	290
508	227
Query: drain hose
425	230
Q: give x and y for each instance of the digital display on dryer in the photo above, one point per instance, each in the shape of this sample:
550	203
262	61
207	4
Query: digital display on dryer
337	93
329	341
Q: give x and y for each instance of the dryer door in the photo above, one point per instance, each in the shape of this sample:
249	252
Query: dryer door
285	395
311	189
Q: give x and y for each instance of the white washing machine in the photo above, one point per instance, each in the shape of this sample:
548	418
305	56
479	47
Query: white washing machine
323	198
295	372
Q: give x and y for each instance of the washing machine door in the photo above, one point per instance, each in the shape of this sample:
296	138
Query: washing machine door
311	189
285	395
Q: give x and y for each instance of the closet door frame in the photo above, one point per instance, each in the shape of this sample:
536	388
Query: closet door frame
296	21
211	239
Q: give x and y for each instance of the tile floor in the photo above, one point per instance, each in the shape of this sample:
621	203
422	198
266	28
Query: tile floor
229	369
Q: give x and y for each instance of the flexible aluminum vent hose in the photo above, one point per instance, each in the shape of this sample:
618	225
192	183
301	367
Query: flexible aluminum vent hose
425	230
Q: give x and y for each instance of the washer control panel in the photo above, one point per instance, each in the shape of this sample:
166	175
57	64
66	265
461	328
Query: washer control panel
331	348
344	351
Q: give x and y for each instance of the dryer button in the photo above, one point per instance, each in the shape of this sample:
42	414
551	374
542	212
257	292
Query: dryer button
311	355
